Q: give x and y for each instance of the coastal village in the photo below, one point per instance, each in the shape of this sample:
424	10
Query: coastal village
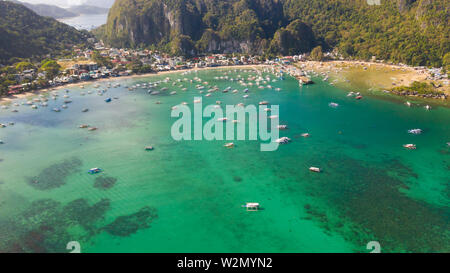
99	61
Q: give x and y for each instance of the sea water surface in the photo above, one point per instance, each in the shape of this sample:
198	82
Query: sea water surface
86	21
186	196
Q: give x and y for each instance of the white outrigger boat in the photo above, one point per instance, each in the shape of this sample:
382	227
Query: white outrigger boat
415	131
283	140
251	206
410	146
333	104
229	145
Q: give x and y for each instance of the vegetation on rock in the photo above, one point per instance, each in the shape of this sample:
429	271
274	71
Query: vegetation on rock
24	34
415	32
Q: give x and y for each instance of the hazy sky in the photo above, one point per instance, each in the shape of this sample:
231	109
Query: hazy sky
68	3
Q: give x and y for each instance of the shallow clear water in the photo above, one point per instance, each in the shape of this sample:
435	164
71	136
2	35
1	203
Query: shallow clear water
186	196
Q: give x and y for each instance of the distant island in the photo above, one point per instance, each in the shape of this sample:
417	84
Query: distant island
59	12
87	9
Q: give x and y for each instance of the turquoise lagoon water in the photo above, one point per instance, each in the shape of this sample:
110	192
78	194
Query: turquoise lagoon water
186	196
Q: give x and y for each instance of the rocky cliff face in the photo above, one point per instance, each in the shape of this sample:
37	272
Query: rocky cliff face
212	25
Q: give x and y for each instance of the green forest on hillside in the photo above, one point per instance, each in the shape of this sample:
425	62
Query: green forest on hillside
415	32
407	31
24	34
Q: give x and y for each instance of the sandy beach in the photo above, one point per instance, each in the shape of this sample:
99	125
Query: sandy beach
347	74
371	75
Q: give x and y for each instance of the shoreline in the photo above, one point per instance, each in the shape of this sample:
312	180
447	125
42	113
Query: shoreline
338	71
9	99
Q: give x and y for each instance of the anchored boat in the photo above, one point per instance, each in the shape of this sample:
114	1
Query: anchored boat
251	206
229	145
333	104
410	146
94	170
415	131
283	140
